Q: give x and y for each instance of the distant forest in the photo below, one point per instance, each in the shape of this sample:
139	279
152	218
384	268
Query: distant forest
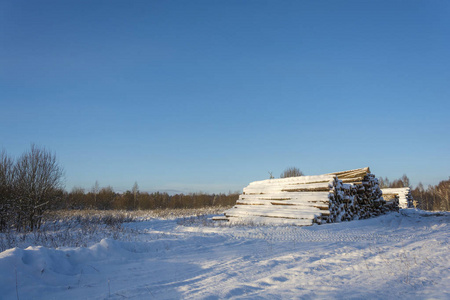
106	198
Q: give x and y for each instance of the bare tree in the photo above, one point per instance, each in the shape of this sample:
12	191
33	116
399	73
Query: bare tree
291	172
95	191
135	191
38	179
435	197
106	198
442	191
77	198
405	181
396	183
6	190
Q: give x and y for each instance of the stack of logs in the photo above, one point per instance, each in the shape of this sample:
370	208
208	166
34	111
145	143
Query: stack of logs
305	200
402	196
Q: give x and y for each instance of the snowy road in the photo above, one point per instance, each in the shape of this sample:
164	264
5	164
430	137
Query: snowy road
401	255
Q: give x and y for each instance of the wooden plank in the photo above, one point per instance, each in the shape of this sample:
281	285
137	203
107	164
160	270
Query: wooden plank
278	185
279	212
299	201
306	189
252	220
289	195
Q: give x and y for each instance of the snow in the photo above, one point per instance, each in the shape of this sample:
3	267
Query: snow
398	255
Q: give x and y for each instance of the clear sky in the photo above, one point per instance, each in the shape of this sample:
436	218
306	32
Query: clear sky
211	95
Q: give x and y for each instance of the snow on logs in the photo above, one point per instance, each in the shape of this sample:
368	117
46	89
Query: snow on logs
305	200
402	196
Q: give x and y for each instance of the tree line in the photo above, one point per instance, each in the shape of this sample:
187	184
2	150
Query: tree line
105	198
434	197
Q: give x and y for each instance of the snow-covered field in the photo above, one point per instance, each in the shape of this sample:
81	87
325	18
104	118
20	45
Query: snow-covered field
402	255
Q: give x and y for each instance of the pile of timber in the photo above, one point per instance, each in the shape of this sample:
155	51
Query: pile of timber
305	200
401	195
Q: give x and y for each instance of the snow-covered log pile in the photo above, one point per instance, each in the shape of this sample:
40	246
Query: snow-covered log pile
403	196
362	196
306	200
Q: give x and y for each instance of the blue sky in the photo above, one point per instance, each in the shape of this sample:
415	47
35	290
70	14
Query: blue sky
211	95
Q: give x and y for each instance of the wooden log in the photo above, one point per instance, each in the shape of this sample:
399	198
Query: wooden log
220	218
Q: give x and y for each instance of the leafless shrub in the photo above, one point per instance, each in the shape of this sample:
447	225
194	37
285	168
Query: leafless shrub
291	172
28	187
7	210
38	181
